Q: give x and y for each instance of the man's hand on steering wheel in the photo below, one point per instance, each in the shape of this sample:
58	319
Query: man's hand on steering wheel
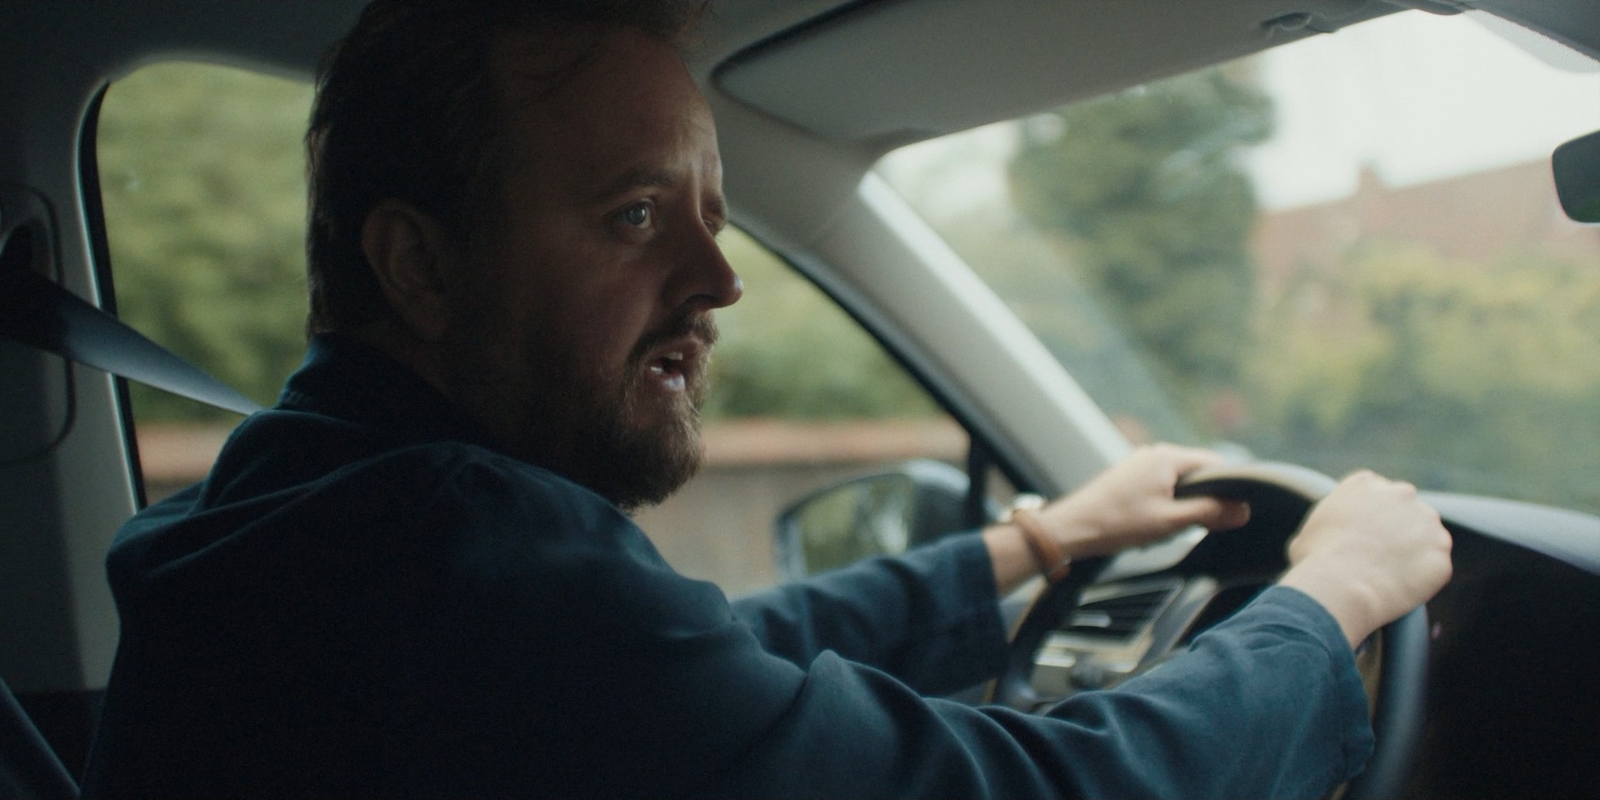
1366	549
1128	505
1369	552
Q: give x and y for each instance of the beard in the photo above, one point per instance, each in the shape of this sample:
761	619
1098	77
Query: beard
597	427
618	454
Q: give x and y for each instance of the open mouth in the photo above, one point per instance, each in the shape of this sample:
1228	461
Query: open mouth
669	368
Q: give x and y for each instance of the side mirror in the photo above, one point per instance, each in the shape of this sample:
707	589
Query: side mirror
1576	165
883	513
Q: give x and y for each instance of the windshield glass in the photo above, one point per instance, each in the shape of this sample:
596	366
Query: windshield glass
1346	252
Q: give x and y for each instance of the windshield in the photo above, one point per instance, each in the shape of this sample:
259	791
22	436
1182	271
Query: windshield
1346	252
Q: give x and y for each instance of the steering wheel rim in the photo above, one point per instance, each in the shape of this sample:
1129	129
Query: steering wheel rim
1397	710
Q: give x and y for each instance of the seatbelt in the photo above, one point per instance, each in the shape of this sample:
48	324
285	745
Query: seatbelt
29	766
37	312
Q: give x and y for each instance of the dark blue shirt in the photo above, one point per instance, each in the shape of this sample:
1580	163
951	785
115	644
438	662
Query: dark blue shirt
363	599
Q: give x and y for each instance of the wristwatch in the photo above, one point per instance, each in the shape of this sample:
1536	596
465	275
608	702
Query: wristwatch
1053	562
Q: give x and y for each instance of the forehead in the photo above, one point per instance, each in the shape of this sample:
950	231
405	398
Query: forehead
610	100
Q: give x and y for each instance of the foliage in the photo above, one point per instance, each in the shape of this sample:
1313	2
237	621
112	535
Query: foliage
1459	374
789	351
1029	271
202	179
1462	374
1143	191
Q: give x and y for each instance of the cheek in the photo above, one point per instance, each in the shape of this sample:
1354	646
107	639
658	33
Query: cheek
607	341
577	301
608	324
590	343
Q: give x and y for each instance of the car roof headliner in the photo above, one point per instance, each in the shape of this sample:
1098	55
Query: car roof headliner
837	69
848	80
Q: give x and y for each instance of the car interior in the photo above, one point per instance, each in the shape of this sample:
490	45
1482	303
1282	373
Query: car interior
1487	691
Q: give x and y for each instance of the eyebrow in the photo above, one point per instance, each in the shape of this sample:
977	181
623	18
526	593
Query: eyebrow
635	178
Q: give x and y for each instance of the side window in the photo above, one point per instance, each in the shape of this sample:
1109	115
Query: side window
202	181
801	398
204	194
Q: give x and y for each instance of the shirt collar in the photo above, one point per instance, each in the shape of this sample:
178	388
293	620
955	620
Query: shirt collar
349	379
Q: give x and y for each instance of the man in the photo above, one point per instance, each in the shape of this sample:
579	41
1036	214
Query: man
414	575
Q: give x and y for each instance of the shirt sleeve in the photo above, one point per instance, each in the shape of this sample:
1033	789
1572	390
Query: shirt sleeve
929	618
1266	705
579	641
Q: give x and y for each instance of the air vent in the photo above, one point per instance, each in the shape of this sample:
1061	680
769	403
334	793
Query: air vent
1119	615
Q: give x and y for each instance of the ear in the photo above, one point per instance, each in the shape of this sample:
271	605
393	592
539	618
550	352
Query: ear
411	255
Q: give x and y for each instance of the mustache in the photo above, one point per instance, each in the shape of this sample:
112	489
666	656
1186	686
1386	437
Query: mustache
700	325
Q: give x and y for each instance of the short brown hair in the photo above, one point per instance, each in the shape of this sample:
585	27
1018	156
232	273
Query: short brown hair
406	110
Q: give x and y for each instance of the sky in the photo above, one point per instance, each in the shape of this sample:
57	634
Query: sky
1417	97
1414	96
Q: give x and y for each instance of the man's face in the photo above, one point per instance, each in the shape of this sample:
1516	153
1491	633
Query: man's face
583	336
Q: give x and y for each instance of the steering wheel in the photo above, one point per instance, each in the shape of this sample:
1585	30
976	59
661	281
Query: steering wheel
1393	663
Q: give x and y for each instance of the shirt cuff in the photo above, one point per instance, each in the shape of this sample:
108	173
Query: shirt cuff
1349	717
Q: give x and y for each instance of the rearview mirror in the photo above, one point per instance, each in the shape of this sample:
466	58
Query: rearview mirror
1576	165
884	513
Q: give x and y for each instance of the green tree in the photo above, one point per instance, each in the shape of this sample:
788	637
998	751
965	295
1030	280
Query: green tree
1459	374
204	192
789	351
1144	192
1026	268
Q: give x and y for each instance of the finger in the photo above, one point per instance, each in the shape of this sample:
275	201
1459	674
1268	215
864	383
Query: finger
1210	512
1180	459
1364	476
1234	515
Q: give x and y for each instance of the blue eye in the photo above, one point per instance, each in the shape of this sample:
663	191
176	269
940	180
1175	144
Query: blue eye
637	215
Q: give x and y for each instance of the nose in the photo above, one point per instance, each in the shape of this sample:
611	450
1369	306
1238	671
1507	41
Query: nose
706	279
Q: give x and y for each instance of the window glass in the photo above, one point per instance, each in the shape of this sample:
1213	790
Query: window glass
203	189
1346	252
801	398
203	186
201	170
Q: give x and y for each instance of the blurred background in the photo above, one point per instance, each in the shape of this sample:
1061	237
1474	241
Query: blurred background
1346	252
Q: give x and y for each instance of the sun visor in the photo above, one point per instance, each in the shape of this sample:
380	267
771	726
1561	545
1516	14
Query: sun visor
896	71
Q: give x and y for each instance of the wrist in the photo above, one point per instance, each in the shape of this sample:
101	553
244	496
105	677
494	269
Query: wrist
1053	562
1076	530
1348	603
1008	555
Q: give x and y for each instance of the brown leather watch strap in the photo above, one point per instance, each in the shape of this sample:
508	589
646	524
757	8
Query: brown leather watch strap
1053	563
